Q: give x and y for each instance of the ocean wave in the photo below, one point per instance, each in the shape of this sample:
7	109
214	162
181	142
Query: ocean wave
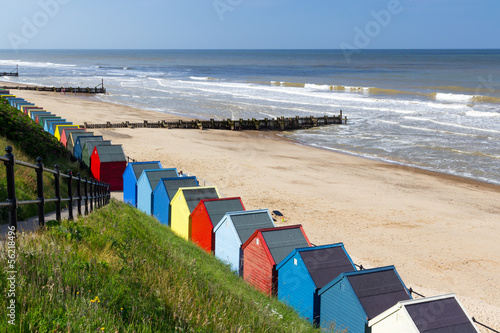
474	113
202	78
36	64
456	98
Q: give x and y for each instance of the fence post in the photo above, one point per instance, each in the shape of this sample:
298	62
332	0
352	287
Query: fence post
70	194
41	198
58	192
101	192
79	193
96	194
86	193
91	193
11	188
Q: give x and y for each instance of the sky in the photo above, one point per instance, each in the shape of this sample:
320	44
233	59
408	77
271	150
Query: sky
249	24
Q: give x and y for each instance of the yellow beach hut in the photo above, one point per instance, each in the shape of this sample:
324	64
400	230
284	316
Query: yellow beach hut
59	129
184	202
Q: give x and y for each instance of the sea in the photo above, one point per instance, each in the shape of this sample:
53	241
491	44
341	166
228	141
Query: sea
437	110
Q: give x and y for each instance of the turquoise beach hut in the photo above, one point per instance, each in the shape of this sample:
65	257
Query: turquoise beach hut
130	177
353	298
233	230
54	124
305	271
48	121
146	184
165	192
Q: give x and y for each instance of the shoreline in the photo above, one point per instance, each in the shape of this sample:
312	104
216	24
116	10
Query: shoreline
439	230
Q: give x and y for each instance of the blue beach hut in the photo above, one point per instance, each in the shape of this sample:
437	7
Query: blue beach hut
233	230
353	298
36	113
54	124
80	142
305	271
130	177
165	192
146	184
48	121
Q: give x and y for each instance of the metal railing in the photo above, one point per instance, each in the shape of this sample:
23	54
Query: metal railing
95	193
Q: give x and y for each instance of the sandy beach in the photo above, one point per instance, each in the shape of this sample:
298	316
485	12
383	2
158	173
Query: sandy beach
441	232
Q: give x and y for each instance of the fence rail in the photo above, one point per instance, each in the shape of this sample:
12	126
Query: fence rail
95	193
273	124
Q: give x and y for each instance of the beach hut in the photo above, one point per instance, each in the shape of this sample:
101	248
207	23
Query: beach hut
19	105
305	271
437	314
35	114
165	191
67	131
183	203
88	149
59	129
206	216
43	120
31	111
130	177
48	121
54	124
80	142
353	298
73	136
232	232
40	118
265	249
146	184
27	109
108	164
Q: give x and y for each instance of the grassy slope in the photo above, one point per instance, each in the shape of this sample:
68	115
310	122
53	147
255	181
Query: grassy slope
118	270
30	141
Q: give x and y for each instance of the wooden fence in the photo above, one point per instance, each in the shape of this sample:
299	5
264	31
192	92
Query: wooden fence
95	193
273	124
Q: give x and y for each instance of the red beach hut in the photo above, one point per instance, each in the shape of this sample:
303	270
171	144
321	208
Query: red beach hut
206	216
265	249
108	164
66	132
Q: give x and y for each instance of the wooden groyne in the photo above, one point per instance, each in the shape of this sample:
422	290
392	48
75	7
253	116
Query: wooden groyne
15	72
273	124
99	89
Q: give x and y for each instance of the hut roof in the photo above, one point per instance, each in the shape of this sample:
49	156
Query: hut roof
377	289
92	143
217	208
154	176
84	139
325	263
247	222
111	153
75	135
282	241
68	131
172	185
194	195
141	166
451	318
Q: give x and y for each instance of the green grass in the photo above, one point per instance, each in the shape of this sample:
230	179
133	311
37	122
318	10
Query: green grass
29	142
119	270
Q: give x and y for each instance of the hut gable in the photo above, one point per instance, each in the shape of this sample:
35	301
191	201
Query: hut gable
206	216
165	191
147	182
264	249
233	230
305	270
59	129
353	298
73	136
130	177
437	314
80	143
183	204
65	135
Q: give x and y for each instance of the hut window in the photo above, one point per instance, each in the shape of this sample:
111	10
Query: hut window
295	261
257	241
